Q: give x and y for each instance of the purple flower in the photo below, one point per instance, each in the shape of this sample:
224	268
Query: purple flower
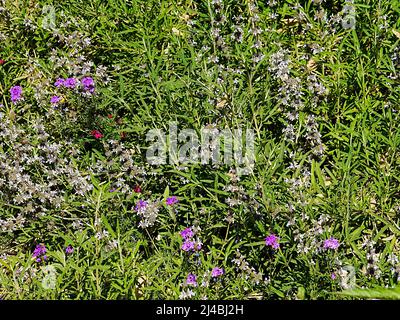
272	241
191	280
16	93
186	233
59	82
141	204
40	253
88	84
333	276
216	272
70	83
69	250
188	245
331	243
172	200
39	250
55	99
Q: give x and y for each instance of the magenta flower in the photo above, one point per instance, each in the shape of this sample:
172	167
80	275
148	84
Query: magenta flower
272	241
55	99
216	272
186	233
16	93
96	134
88	84
59	82
172	200
69	250
333	276
331	243
70	83
191	280
188	245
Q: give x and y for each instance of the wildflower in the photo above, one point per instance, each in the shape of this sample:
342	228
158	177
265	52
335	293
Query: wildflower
70	83
188	245
137	189
110	116
172	200
2	62
187	233
88	84
59	83
186	294
191	280
55	99
141	205
69	250
96	133
333	276
16	93
331	243
272	241
216	272
148	213
40	253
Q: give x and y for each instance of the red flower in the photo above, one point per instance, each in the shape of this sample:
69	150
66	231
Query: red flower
137	189
96	133
2	62
110	116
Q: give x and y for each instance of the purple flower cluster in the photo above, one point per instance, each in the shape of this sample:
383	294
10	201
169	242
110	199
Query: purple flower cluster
40	253
331	243
272	241
87	83
191	280
172	200
55	99
187	233
189	243
16	93
141	205
217	272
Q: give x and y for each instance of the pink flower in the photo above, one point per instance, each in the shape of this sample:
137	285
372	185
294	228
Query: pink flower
96	133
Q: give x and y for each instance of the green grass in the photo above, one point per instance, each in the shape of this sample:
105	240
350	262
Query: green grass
159	69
